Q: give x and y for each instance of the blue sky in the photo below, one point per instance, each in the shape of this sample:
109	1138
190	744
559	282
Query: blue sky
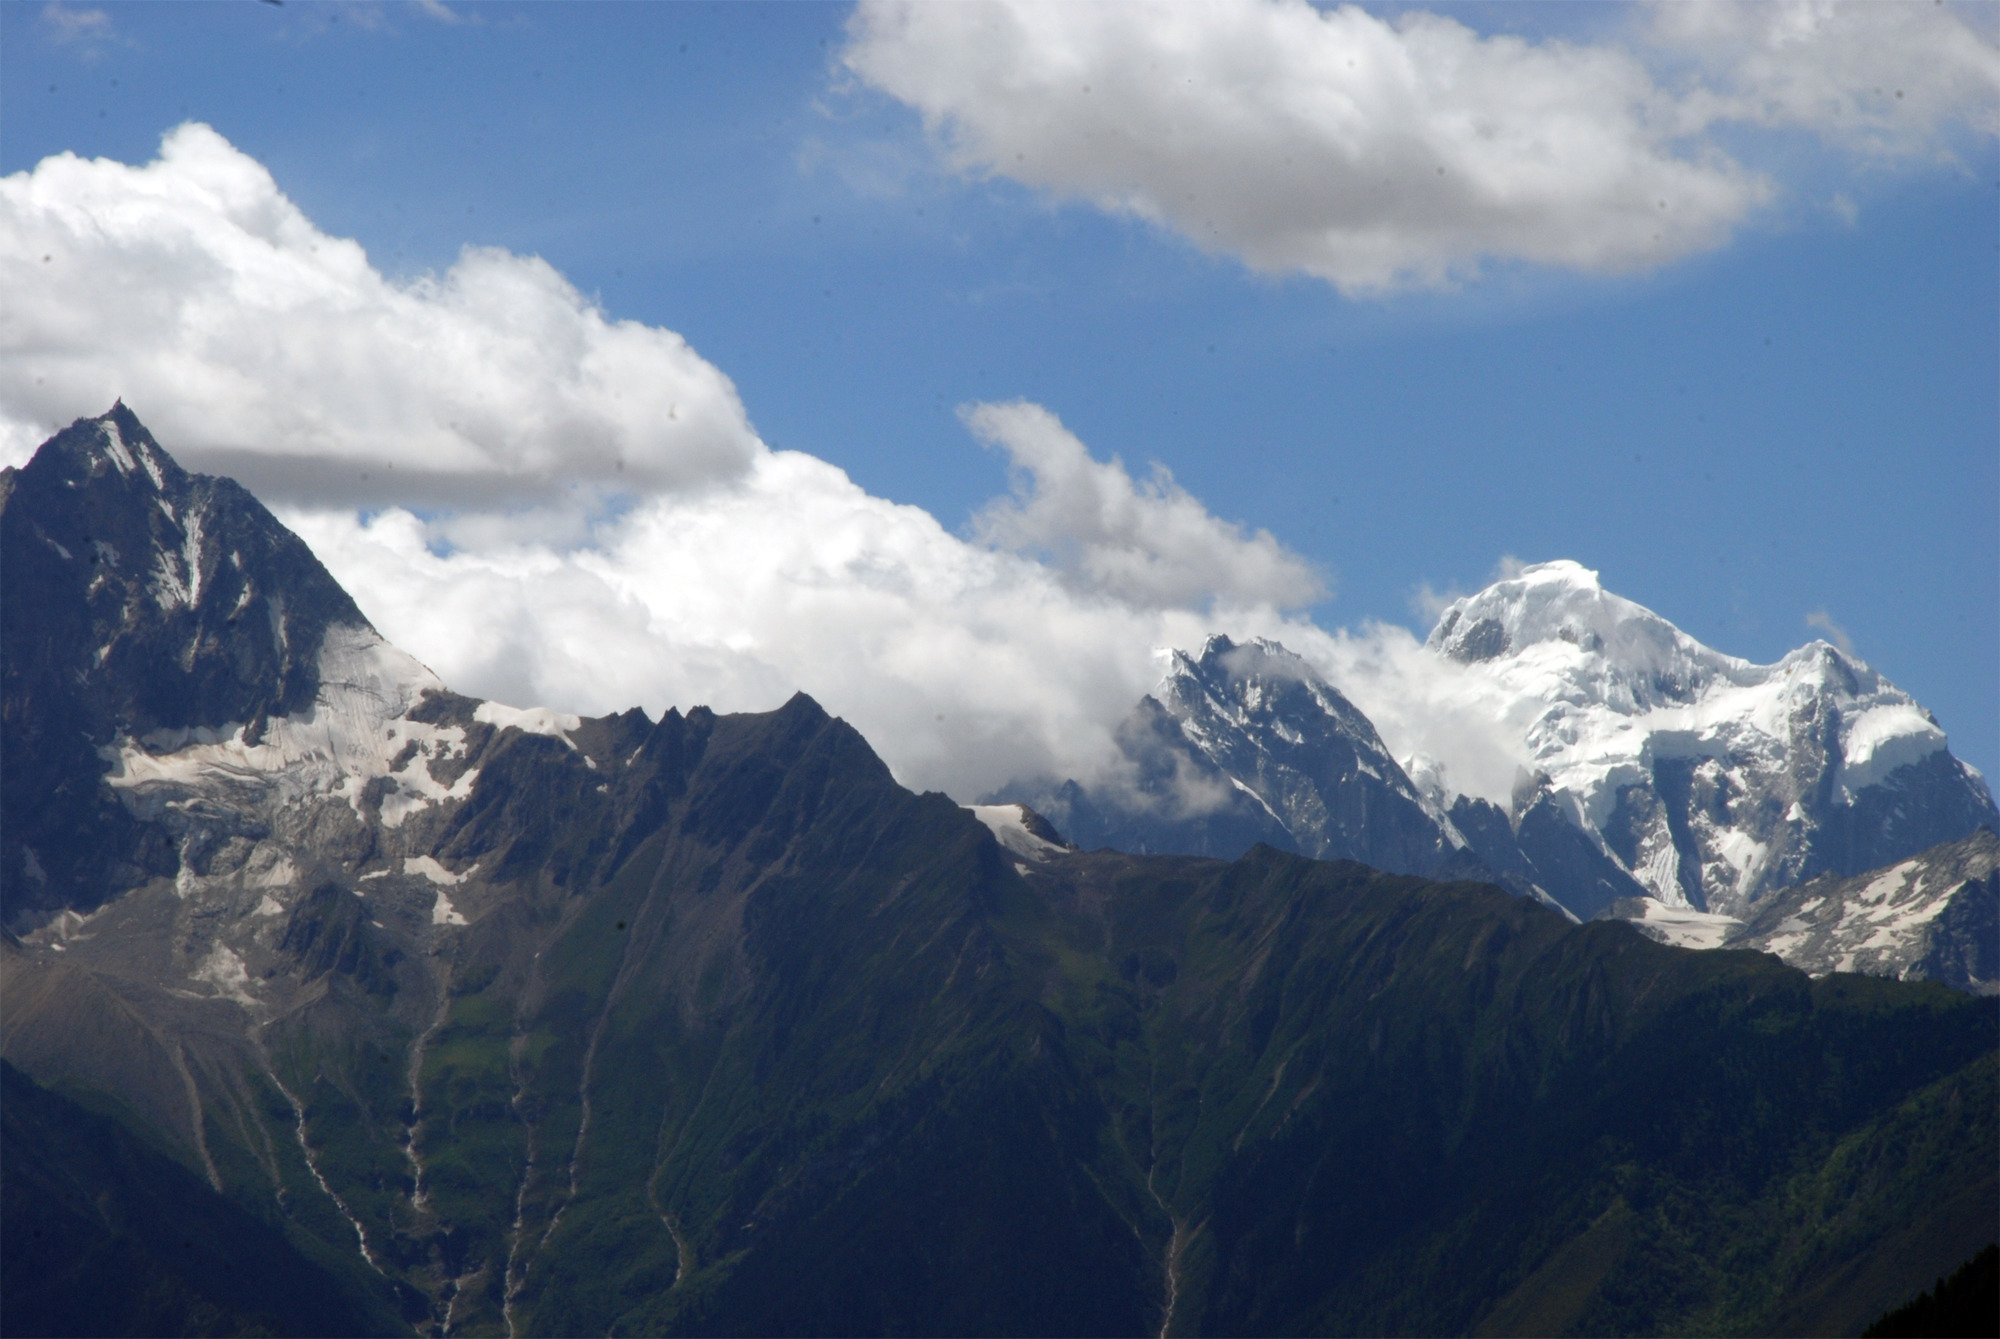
1798	416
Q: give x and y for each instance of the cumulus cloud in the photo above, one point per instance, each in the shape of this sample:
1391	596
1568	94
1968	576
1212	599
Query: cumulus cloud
261	347
726	573
963	665
1150	544
1378	154
1337	144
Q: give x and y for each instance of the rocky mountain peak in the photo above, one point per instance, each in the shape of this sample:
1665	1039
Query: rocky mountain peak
1246	743
117	444
1260	706
141	600
168	568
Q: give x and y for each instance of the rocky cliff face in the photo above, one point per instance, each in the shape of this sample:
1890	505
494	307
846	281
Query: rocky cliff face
1246	744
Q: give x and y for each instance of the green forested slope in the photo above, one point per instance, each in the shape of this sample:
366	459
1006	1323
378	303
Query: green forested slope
101	1234
747	1038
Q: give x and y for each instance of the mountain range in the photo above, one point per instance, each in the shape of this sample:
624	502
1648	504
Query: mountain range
1670	783
440	1015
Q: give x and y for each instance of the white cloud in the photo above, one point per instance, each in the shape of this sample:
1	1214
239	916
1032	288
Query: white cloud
964	666
1150	544
261	347
444	13
1461	727
724	573
1885	79
1379	154
66	26
1368	153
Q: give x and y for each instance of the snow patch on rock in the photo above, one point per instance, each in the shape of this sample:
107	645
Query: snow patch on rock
1684	927
354	732
529	720
1008	823
224	970
429	868
114	446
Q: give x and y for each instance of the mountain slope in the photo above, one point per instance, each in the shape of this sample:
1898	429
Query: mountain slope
107	1236
1377	1105
1933	917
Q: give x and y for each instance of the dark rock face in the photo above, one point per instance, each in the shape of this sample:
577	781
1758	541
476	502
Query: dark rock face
1490	834
139	598
1181	802
1472	641
1567	862
1915	807
1964	949
330	931
1543	850
1246	744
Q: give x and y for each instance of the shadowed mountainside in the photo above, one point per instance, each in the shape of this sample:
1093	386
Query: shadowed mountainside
106	1235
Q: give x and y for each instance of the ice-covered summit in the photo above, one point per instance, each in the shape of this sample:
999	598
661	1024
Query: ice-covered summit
1710	779
1558	619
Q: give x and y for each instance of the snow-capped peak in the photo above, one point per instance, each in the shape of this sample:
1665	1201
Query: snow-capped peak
1707	777
1262	686
1558	618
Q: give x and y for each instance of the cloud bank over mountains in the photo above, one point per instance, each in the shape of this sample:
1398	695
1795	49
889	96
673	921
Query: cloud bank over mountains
264	348
1379	153
548	506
